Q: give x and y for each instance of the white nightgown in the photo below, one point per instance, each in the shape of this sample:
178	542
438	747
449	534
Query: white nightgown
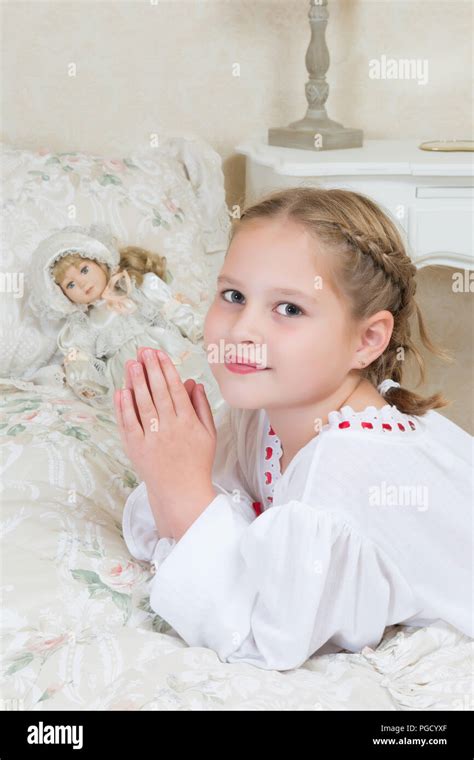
370	525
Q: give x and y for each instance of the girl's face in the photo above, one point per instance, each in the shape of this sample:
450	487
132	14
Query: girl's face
307	336
85	282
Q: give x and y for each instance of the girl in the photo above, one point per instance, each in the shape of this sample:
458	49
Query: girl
331	501
113	299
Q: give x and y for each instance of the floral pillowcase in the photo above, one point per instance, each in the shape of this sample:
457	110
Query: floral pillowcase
168	199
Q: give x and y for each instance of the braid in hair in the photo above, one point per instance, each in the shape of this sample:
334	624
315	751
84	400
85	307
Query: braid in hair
398	269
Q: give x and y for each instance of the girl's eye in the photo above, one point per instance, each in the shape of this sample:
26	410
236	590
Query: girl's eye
70	285
223	294
291	305
84	269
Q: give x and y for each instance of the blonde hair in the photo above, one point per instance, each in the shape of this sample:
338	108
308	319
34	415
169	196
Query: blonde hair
372	272
138	261
135	260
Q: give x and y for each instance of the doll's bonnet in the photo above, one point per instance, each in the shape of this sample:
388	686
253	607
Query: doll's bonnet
95	242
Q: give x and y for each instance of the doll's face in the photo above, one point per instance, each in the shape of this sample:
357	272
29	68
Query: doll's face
85	282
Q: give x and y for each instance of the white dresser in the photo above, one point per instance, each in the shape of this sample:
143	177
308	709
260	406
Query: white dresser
431	194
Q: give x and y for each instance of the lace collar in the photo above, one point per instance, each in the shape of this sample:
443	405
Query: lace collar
388	419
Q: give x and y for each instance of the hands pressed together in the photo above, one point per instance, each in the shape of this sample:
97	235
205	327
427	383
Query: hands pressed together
168	433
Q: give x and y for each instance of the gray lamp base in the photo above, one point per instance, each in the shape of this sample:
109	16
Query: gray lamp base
316	134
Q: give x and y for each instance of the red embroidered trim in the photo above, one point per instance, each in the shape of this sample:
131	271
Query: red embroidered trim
257	505
369	425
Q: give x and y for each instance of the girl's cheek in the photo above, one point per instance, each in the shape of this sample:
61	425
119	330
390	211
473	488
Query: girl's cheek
212	323
208	333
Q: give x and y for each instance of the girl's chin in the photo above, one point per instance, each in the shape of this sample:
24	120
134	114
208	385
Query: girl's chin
242	403
242	398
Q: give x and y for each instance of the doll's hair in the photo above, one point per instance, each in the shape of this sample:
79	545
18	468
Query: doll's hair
370	270
137	261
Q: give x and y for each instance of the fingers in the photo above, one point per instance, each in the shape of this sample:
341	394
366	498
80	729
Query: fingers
140	351
141	359
167	389
129	427
146	408
203	409
190	384
170	395
128	384
159	388
177	391
145	405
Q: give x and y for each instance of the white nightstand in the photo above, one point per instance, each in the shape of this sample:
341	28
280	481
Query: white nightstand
429	193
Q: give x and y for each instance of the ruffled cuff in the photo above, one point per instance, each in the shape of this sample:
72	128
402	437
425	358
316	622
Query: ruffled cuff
162	549
138	525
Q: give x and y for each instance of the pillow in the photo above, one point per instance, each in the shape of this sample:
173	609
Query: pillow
169	199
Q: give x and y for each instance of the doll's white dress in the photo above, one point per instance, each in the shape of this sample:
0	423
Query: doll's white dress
97	343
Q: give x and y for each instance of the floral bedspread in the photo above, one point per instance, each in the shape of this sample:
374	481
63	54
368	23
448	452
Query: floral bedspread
77	631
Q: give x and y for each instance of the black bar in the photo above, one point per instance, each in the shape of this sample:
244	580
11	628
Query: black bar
138	734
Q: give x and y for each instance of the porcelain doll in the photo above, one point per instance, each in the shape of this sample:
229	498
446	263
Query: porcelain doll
112	301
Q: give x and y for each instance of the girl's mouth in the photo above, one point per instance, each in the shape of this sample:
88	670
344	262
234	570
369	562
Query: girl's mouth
244	369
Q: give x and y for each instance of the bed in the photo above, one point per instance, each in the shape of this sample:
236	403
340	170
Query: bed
77	631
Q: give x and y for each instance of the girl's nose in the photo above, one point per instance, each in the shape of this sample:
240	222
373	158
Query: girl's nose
245	331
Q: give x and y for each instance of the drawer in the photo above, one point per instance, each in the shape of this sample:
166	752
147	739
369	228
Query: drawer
436	226
445	192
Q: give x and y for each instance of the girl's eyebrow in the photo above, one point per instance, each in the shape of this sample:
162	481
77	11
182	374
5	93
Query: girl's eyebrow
283	291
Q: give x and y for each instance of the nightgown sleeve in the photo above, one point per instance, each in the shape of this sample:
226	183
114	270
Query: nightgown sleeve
272	591
189	322
139	528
